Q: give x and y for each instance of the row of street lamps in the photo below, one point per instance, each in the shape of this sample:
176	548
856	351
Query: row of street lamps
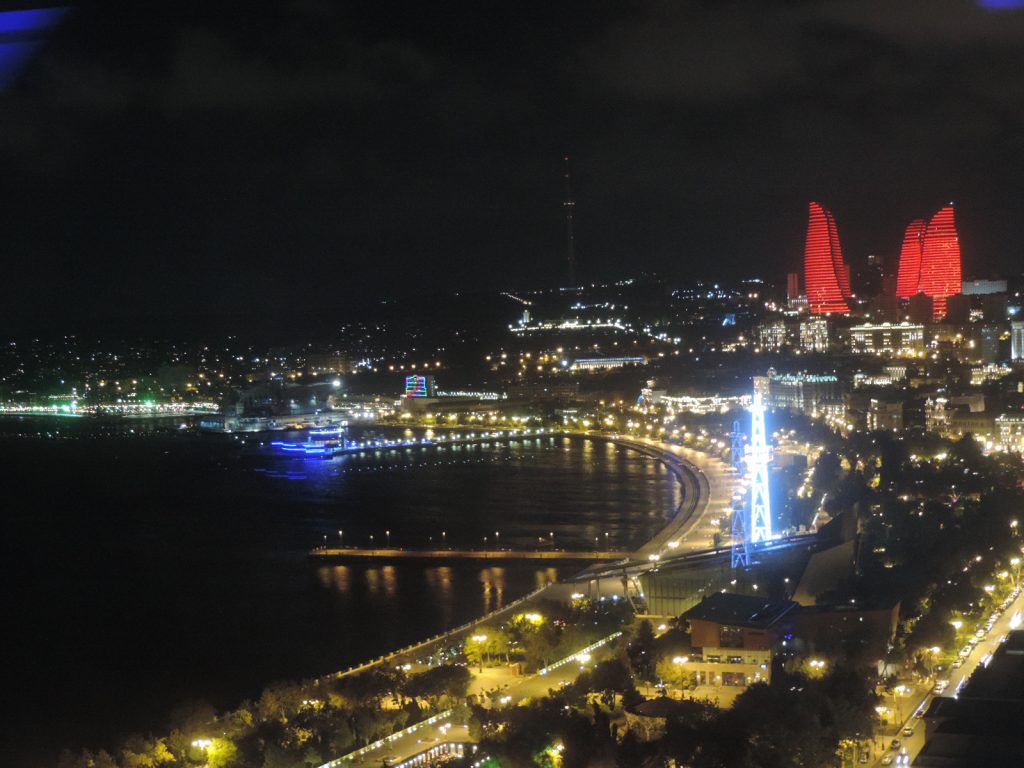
444	539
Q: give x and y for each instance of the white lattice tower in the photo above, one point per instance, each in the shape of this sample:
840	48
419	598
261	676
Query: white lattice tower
760	506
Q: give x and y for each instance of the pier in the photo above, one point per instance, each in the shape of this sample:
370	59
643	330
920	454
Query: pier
384	553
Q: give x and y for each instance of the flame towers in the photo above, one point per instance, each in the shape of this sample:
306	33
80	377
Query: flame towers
826	276
908	278
930	260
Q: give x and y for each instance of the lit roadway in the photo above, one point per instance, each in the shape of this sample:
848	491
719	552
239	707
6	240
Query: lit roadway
710	492
919	700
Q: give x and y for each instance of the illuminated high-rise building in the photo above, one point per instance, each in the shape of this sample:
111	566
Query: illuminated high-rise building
930	261
941	274
908	278
826	276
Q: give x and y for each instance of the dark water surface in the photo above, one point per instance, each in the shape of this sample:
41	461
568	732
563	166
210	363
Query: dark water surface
144	569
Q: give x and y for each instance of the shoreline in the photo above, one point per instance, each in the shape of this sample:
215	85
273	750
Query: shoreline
691	509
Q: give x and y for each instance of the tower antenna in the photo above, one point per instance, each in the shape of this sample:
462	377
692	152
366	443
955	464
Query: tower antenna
569	206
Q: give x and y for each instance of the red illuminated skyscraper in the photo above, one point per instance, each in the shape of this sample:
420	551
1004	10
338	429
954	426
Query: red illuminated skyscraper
826	277
941	273
930	261
908	279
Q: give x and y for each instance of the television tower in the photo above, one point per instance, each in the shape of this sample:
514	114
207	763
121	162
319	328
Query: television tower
569	206
760	506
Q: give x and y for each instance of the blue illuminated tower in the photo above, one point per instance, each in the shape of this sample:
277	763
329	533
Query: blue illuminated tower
740	553
760	507
737	447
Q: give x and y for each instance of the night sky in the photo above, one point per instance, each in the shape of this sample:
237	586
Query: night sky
181	158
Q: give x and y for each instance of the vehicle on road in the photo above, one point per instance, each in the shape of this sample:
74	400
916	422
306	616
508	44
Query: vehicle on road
887	759
908	731
894	744
957	663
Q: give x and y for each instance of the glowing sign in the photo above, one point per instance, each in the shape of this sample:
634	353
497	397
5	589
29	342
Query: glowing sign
415	386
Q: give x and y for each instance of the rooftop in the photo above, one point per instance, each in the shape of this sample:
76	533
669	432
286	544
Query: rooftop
739	610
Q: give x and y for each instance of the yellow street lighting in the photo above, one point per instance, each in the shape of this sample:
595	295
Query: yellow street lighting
680	659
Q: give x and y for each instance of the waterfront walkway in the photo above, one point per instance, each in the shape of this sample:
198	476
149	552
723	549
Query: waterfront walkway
708	485
383	553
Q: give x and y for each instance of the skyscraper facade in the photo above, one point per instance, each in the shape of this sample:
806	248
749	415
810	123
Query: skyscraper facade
826	276
908	278
930	261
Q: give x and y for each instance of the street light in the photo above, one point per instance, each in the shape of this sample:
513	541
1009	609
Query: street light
444	540
387	534
341	538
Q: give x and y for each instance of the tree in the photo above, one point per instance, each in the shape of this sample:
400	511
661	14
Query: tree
221	753
641	650
449	682
474	650
139	752
498	643
609	678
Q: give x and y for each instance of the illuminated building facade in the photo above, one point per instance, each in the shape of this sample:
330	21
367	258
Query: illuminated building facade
826	276
812	394
1010	428
814	335
1017	340
885	414
930	261
903	340
420	386
908	278
772	335
605	363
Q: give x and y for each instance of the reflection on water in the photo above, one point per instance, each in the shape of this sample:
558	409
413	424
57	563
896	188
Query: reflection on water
493	580
193	526
547	576
450	594
390	578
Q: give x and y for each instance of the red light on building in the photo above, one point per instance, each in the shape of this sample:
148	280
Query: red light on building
941	272
826	277
930	261
908	279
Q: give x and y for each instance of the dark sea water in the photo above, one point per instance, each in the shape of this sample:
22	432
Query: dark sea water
143	568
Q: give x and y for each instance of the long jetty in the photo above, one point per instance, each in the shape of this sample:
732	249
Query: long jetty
343	553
